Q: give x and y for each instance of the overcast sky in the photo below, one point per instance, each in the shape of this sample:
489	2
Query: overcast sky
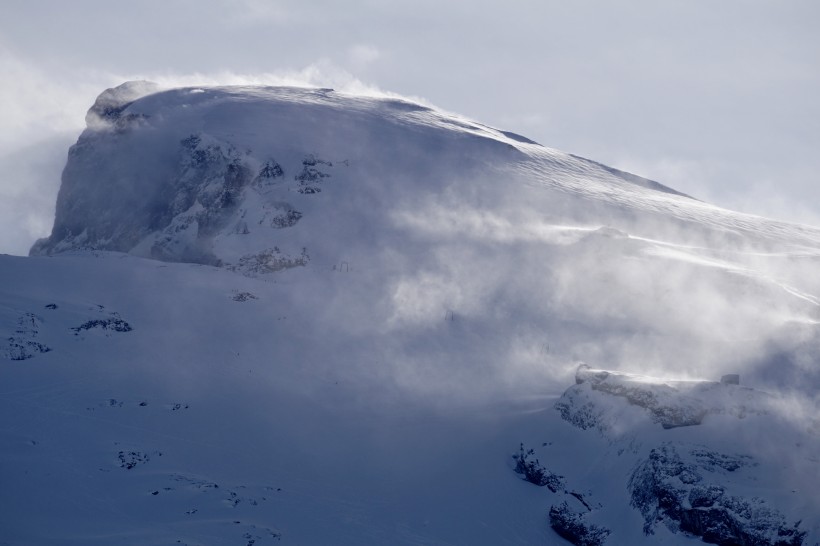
719	99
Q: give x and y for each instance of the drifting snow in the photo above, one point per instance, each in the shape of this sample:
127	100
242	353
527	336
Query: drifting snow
356	326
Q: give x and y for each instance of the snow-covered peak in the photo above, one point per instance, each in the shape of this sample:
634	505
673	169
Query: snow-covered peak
173	174
671	403
413	289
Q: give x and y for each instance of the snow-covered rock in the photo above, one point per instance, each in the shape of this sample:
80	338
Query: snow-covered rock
669	403
278	314
686	490
572	526
686	485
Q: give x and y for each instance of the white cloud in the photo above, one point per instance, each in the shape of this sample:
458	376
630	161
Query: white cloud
362	55
42	115
33	104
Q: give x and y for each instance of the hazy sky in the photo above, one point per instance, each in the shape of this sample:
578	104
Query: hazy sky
717	99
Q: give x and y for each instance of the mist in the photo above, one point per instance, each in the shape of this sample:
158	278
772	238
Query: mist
485	270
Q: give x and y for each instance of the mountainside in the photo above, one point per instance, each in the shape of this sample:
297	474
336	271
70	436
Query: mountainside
281	314
175	174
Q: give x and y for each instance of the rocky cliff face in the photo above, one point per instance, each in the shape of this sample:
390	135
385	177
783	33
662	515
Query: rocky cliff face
684	488
698	489
668	403
189	193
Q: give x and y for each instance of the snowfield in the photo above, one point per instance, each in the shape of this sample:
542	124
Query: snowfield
281	315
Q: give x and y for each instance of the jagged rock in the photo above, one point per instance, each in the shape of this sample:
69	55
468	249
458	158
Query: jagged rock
268	174
286	219
576	407
681	491
243	296
114	324
107	110
589	403
23	349
191	189
23	344
670	406
573	526
280	215
310	176
131	459
269	261
534	472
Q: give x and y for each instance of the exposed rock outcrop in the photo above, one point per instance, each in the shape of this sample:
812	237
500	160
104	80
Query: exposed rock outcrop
534	472
573	526
683	489
590	403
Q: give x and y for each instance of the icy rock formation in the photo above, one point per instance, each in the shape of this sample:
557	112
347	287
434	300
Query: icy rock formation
669	403
692	489
107	110
572	526
144	181
24	344
685	489
534	472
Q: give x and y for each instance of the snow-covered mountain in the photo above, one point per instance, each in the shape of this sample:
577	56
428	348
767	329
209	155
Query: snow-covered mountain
282	314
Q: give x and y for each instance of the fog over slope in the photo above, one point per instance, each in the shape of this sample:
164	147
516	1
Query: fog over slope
374	303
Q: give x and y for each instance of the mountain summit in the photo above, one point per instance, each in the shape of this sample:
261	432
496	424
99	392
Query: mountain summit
274	314
216	175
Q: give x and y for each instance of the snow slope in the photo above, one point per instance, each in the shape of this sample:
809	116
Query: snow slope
359	309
